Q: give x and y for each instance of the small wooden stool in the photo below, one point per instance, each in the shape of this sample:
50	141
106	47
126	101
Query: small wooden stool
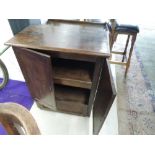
131	32
16	120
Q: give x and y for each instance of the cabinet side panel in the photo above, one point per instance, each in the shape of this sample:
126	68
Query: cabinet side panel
105	96
37	71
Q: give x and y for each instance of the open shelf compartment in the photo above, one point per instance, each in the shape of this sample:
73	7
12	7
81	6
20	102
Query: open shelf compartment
73	73
72	99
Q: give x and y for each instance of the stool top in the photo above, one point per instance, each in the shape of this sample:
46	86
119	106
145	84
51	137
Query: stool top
123	28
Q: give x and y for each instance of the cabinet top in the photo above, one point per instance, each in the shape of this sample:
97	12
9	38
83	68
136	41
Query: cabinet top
67	37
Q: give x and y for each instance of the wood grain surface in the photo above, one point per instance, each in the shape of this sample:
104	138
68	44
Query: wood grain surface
15	117
37	71
67	37
104	98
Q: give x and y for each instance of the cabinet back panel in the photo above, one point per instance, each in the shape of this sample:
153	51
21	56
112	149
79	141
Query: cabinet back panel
73	73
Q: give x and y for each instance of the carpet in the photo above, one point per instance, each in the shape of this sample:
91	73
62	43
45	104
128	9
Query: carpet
136	100
15	91
145	51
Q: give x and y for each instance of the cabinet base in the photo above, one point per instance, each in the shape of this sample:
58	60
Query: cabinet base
62	111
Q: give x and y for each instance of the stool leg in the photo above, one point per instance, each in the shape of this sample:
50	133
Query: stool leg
130	53
126	46
113	39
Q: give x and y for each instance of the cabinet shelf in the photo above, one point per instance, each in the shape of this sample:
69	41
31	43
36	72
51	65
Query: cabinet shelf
73	73
71	99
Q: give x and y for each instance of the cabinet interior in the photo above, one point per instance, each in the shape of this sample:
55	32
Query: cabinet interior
72	84
71	99
73	73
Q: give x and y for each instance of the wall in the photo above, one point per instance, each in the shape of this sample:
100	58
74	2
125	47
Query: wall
19	24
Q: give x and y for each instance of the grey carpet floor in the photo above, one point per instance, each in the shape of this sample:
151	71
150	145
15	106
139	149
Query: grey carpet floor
145	52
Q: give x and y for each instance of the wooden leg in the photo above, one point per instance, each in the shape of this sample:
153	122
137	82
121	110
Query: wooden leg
130	53
113	39
126	46
127	67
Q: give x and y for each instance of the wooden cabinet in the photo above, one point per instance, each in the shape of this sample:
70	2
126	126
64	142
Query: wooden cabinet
66	69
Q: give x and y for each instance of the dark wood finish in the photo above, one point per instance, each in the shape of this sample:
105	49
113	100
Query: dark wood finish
72	100
105	96
65	67
16	119
76	56
73	73
65	37
37	71
69	56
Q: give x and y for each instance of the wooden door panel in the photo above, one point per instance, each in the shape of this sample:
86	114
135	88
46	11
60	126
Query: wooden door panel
37	70
105	96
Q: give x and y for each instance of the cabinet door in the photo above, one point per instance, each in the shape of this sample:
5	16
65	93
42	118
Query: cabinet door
105	96
37	70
